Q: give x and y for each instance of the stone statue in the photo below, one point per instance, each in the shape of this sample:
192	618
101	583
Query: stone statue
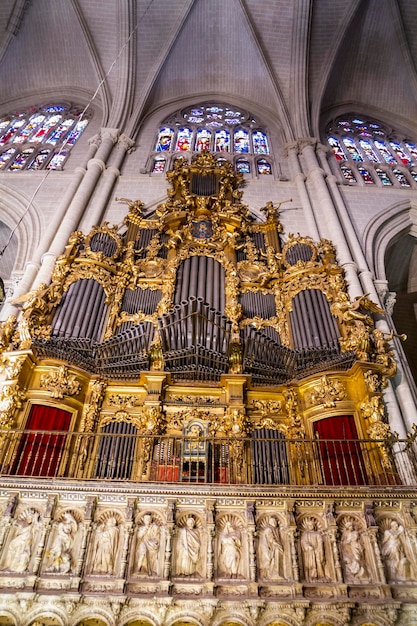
188	548
271	551
230	550
59	556
19	550
147	547
105	547
312	548
353	554
393	552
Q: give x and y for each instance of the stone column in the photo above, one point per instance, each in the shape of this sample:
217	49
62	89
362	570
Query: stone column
299	178
94	215
333	228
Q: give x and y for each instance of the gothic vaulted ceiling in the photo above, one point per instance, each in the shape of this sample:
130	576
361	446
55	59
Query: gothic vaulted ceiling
297	61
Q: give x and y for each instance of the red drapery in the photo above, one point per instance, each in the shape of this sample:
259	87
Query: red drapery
39	453
341	459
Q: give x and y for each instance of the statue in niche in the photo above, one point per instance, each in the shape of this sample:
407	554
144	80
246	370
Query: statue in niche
188	547
353	553
59	558
230	550
393	550
148	545
19	550
105	546
271	550
312	549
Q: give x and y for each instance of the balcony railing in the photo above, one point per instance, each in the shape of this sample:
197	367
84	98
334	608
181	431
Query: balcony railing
225	461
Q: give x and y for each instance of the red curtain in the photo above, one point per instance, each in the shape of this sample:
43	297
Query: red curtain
340	455
39	453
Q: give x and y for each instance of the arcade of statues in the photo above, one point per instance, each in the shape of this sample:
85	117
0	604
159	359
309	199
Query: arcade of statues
193	429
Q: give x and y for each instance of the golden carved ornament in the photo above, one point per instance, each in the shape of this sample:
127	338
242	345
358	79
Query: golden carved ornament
120	401
374	381
266	407
373	410
7	330
326	392
60	382
11	367
104	229
149	420
94	401
11	399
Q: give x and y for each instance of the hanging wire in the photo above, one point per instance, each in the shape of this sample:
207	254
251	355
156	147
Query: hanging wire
83	112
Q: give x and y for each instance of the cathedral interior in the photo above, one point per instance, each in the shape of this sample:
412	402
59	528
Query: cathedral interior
208	271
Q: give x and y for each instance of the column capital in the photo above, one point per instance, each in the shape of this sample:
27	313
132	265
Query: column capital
126	143
95	140
98	162
292	146
307	142
110	133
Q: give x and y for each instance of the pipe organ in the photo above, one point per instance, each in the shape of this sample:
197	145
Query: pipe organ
198	344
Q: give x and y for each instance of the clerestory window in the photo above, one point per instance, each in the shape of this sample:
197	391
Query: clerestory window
225	131
369	152
39	138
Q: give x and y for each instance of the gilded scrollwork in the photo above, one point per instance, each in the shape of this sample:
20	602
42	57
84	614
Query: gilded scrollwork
326	392
60	382
11	399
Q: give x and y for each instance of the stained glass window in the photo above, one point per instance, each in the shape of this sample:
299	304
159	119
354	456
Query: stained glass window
337	150
348	174
6	156
159	163
264	167
352	149
203	140
210	126
184	138
242	166
355	139
222	141
21	159
383	176
56	125
365	175
368	150
414	174
241	140
164	140
260	143
405	160
401	178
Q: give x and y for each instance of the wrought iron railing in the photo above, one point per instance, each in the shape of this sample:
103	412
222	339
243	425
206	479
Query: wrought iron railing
224	461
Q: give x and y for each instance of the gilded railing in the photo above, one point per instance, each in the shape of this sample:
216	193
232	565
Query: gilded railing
225	461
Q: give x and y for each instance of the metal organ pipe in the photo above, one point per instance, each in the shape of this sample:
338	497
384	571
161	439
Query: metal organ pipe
313	328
